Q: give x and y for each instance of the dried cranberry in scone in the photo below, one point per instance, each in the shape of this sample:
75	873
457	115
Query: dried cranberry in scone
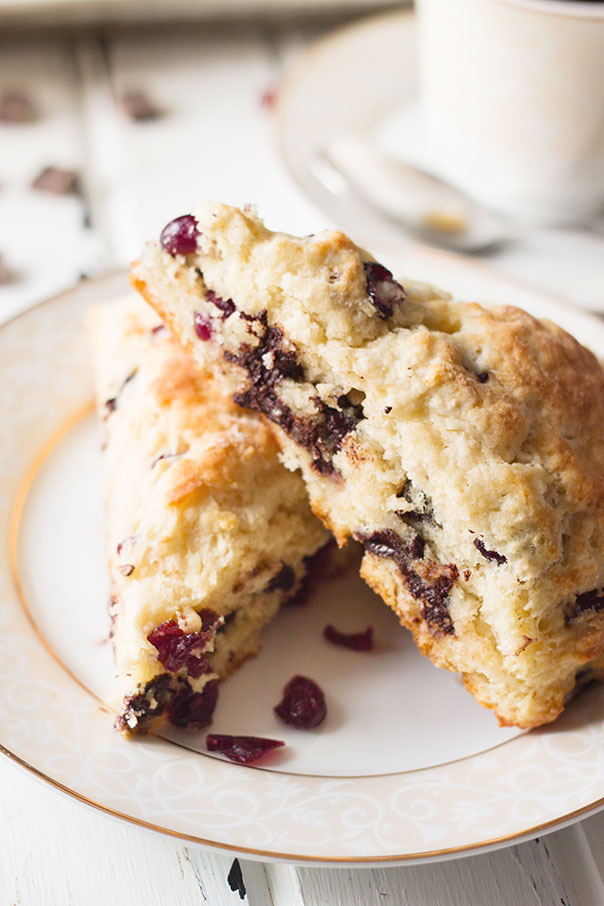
187	475
179	237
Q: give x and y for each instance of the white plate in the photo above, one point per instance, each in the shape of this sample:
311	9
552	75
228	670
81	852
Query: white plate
406	767
362	79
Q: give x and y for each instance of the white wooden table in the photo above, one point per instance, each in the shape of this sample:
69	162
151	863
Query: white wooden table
215	140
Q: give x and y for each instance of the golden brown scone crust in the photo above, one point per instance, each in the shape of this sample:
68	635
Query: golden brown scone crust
463	445
200	513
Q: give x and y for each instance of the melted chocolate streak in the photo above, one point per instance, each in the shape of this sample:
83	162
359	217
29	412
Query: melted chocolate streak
432	587
321	435
138	706
184	707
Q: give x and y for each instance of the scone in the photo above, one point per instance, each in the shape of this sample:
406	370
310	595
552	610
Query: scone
463	446
207	532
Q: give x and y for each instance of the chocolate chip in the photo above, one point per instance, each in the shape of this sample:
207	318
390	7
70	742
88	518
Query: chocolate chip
489	555
339	422
57	181
355	410
483	376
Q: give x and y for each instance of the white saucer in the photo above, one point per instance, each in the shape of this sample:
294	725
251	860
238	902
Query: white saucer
363	79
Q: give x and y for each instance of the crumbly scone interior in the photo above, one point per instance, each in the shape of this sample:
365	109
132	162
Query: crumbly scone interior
463	446
200	513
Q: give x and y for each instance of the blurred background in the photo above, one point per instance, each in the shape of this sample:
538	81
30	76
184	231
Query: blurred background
116	116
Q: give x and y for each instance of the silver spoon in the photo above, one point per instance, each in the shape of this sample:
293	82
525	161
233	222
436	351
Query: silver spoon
406	196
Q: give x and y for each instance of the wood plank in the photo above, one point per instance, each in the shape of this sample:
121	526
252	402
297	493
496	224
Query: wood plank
42	236
55	850
556	870
215	140
592	830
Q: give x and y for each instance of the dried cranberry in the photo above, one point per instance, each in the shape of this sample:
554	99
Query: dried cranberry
489	555
130	540
203	327
589	602
303	703
179	237
242	749
177	649
226	306
210	620
358	641
192	710
382	288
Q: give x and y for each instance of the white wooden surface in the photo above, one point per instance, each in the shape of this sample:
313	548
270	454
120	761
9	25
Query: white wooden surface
214	141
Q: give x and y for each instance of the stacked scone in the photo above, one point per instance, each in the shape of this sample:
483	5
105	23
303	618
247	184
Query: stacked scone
207	532
462	446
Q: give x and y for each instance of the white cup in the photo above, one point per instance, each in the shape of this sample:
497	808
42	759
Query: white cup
513	96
